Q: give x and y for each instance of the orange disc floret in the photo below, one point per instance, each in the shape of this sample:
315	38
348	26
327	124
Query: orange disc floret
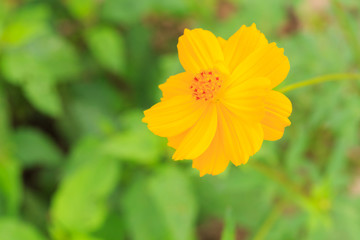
205	85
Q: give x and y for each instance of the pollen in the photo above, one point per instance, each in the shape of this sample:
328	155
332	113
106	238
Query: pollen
205	85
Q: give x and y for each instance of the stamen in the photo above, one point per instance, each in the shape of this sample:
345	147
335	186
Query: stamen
205	85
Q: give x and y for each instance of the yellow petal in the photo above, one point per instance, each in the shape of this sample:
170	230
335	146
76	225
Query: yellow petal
222	43
264	60
234	140
240	45
175	141
241	139
246	98
199	136
178	84
213	161
199	50
173	116
277	110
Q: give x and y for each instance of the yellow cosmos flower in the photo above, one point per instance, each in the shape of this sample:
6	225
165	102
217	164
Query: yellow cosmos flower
223	106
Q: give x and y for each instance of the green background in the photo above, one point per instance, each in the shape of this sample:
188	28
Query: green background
77	163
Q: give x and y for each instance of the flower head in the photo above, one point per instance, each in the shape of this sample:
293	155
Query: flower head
222	107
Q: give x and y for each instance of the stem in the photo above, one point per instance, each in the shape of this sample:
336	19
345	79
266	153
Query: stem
4	122
229	230
10	173
269	221
321	79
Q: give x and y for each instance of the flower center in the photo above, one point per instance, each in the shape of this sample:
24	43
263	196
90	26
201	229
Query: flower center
205	85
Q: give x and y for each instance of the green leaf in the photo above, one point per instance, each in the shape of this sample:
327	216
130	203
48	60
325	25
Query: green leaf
295	154
48	57
134	146
171	7
35	209
79	205
345	219
238	190
289	226
25	24
19	67
44	96
82	9
143	219
99	93
85	119
107	46
12	229
81	236
33	147
10	186
336	164
141	53
37	67
171	192
57	56
112	229
125	11
135	143
93	109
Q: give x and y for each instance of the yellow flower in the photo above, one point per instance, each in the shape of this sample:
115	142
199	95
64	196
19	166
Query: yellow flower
223	106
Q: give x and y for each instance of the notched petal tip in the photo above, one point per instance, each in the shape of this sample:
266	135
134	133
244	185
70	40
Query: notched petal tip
186	30
222	42
278	109
242	44
161	86
204	171
174	158
201	171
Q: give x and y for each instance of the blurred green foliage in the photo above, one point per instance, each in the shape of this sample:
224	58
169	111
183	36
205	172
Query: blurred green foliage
76	163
